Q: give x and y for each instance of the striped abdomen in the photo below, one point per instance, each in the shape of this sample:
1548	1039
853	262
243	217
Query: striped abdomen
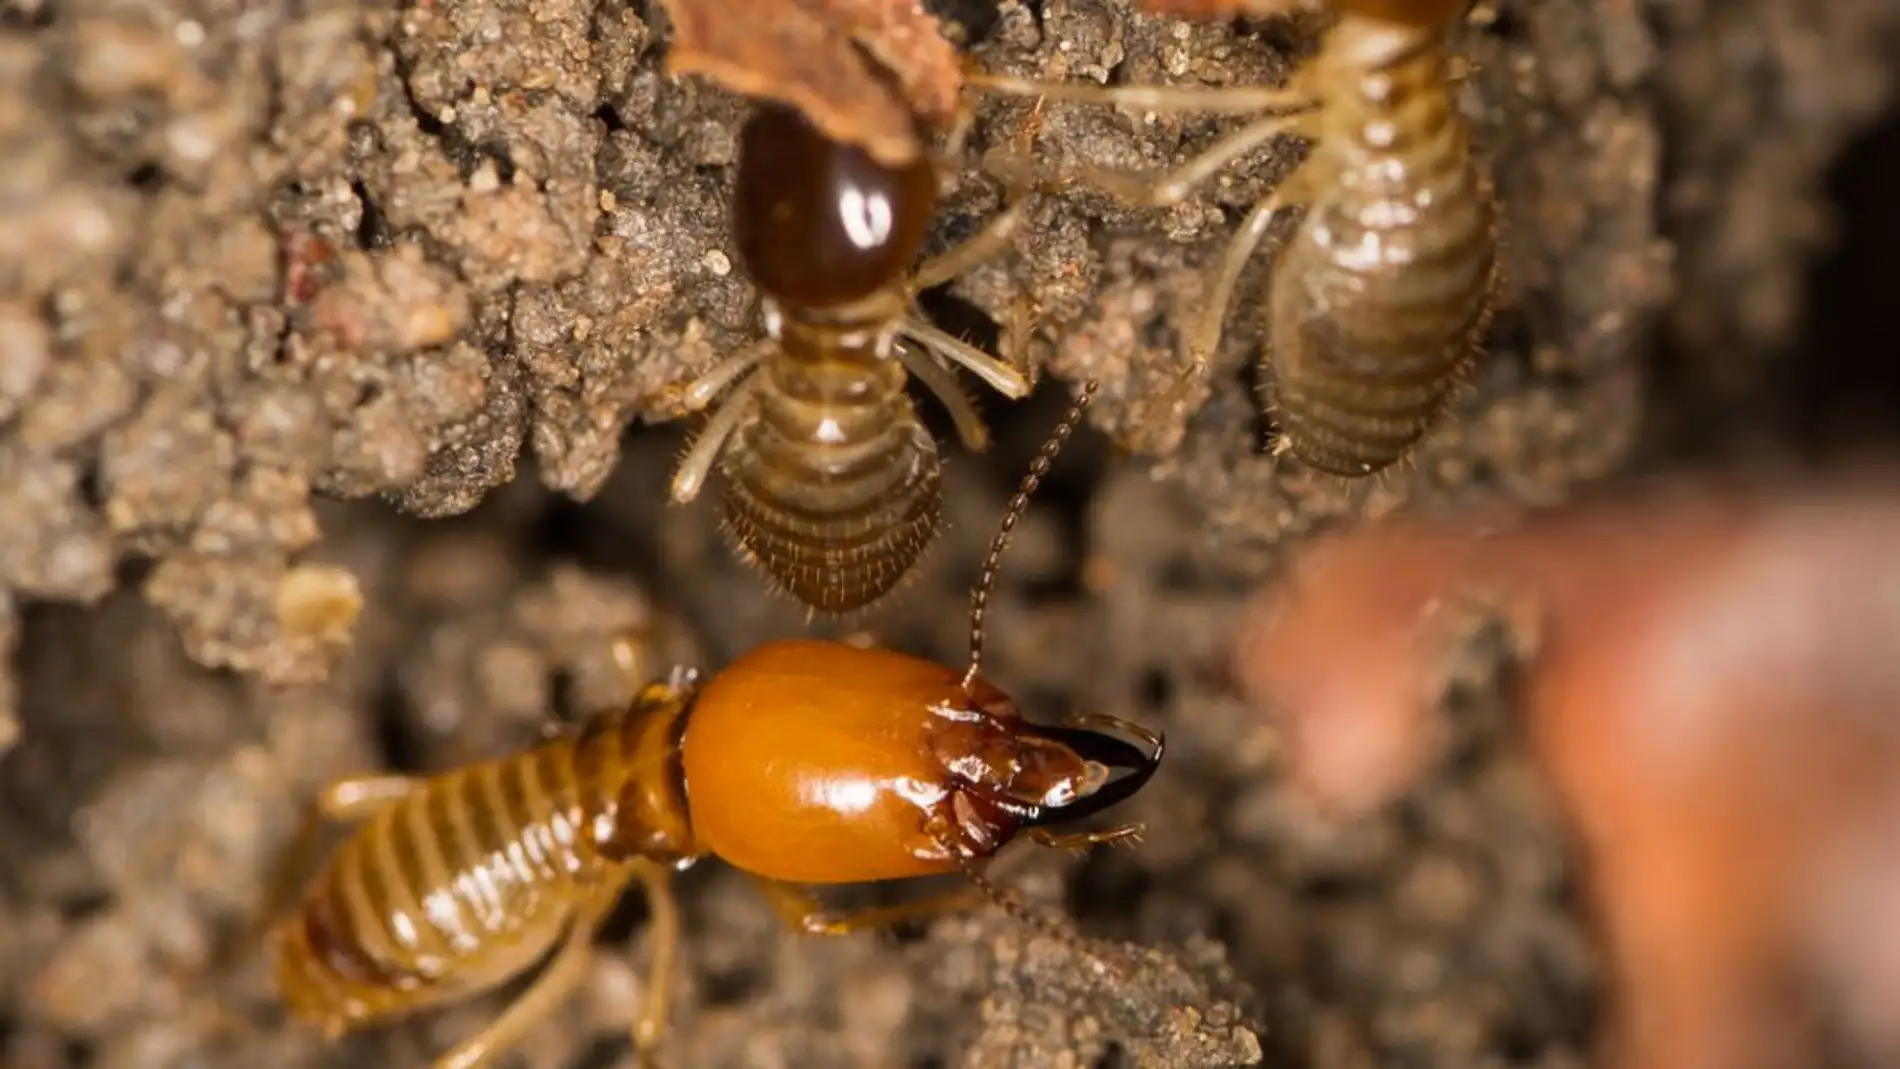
470	878
834	488
1383	293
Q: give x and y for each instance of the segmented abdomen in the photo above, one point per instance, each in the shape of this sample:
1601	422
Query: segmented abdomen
451	889
834	490
1381	296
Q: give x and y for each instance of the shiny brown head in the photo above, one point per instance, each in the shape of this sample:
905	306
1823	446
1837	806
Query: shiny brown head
820	223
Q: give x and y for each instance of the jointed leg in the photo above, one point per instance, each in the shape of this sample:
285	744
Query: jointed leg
1022	314
1080	841
1229	99
801	911
713	381
698	462
650	1026
1146	190
555	983
1205	336
960	126
970	428
356	797
996	234
1004	379
986	244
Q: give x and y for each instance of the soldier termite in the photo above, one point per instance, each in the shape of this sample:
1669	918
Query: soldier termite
802	762
1383	293
833	485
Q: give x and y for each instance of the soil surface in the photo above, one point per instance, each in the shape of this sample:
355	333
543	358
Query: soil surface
339	344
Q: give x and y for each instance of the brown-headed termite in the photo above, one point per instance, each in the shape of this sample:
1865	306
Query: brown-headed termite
833	486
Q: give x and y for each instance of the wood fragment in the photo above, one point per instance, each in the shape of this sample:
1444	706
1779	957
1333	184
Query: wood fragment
866	72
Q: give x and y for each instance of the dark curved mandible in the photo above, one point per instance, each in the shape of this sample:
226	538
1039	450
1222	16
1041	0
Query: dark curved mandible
1110	750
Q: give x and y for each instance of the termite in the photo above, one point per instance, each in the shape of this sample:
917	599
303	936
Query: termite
833	485
803	762
1380	298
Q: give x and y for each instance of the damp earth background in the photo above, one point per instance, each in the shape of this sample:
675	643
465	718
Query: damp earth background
335	341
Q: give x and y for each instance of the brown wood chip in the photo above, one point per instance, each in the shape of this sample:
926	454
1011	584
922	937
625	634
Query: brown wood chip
823	57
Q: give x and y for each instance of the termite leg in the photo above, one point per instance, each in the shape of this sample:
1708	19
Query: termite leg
356	797
555	983
1149	191
1000	375
960	126
690	478
1204	337
664	925
986	244
996	234
799	908
1229	99
1022	315
939	380
1080	841
703	390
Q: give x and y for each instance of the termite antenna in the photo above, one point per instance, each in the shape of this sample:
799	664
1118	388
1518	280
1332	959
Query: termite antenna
980	598
1022	913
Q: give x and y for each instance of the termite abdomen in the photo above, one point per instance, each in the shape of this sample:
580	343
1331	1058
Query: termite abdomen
461	881
1379	299
834	498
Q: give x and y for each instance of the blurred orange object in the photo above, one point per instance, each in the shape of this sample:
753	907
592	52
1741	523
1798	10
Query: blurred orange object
1711	681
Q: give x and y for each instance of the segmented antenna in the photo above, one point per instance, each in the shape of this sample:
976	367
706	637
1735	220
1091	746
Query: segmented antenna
1023	913
980	598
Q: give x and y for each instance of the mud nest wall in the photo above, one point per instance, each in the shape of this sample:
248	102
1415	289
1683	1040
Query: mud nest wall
335	341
